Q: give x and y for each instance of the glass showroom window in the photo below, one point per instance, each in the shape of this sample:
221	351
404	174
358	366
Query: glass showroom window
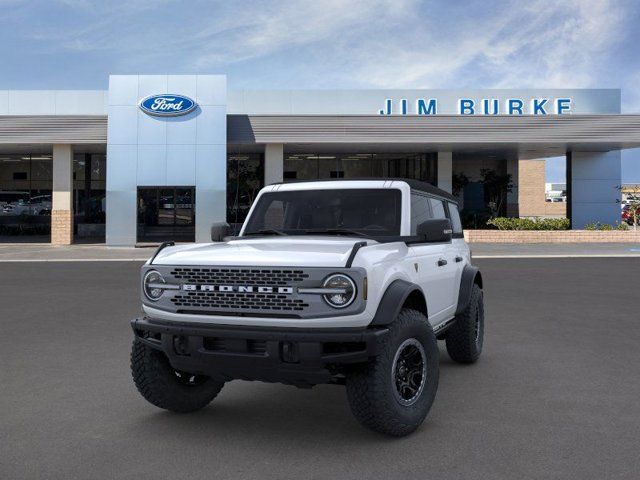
312	166
245	178
25	195
89	194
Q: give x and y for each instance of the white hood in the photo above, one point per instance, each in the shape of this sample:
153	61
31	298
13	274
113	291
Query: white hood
309	251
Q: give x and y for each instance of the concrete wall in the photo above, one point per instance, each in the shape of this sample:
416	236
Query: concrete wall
53	102
595	178
445	171
144	150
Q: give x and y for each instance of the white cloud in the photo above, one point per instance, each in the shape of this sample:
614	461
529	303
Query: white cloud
364	43
546	44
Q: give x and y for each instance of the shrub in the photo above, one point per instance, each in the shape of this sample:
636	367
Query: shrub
506	223
606	226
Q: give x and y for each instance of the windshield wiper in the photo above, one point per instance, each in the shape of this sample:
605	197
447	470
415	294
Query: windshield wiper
338	231
265	231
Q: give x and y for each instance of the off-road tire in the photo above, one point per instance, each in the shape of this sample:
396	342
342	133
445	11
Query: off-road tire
464	342
371	387
160	384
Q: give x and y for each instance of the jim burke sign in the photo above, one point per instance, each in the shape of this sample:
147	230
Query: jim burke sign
482	106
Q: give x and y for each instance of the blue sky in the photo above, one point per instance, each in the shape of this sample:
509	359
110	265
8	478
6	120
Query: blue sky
330	44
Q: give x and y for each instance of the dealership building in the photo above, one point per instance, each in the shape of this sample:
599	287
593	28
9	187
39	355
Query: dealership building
162	157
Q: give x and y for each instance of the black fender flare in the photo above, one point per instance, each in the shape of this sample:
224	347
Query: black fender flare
470	276
393	300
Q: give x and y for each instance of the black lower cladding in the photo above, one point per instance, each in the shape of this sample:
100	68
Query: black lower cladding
296	356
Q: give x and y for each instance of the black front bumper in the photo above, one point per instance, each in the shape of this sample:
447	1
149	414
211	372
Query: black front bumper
300	357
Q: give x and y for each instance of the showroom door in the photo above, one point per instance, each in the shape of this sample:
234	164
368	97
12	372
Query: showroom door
166	213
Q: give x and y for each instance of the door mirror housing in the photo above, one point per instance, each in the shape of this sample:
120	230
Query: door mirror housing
219	230
435	230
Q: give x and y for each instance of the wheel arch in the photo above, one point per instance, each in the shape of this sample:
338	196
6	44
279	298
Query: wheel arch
470	276
398	295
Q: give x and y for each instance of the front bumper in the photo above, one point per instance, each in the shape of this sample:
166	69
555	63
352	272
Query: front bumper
301	357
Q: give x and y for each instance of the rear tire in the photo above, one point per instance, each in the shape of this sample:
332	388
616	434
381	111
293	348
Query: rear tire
165	387
465	338
393	393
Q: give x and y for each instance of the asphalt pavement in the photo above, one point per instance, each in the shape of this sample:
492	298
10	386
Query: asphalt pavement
555	394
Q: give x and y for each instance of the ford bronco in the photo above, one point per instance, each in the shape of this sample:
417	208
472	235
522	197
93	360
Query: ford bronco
347	282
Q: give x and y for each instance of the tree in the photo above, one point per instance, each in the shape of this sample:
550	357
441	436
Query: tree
496	187
458	182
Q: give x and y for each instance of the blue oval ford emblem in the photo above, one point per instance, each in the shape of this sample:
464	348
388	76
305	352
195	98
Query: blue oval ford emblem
168	105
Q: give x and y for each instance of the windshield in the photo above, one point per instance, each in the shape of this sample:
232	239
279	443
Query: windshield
359	212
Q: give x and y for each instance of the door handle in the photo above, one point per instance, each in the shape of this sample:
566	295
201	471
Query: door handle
442	262
458	259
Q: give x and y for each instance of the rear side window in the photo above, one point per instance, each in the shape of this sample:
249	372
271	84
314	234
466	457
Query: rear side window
437	208
420	211
456	224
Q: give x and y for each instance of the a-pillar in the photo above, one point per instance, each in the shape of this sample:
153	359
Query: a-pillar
445	171
273	163
62	201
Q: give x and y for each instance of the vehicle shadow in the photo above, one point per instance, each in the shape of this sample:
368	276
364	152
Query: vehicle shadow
255	410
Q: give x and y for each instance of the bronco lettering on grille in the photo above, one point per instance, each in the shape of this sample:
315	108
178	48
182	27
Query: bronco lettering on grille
237	288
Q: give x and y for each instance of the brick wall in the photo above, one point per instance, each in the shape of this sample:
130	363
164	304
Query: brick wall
552	236
61	227
531	177
555	209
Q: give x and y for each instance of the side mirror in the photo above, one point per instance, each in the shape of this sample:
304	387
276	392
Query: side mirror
437	230
219	230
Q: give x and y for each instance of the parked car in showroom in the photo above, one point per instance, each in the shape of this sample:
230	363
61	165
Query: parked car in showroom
39	205
346	282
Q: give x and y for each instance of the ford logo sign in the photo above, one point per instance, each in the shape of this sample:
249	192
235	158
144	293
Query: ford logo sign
168	105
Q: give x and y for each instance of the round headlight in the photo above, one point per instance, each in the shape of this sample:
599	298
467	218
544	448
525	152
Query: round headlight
344	290
152	285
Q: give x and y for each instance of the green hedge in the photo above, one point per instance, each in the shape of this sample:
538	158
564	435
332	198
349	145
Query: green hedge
606	226
504	223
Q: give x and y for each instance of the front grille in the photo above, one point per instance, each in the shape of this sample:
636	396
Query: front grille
239	276
238	301
247	291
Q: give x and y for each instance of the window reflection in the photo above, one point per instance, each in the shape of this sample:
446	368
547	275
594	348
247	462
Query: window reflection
89	194
313	166
25	195
245	178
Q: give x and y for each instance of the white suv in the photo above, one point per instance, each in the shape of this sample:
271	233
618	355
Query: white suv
347	282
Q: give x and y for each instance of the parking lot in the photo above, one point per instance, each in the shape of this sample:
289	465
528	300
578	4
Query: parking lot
555	394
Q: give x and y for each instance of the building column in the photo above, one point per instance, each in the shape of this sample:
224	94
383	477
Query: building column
273	163
531	177
62	196
593	181
445	171
512	196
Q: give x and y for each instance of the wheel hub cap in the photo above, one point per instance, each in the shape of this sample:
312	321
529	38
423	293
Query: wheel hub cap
409	372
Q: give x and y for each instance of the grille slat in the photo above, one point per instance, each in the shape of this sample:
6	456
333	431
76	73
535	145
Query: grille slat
239	276
238	301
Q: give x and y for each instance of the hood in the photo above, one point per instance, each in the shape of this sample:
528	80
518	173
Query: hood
310	251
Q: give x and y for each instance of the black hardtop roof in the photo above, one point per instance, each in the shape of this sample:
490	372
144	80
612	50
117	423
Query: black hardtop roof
413	184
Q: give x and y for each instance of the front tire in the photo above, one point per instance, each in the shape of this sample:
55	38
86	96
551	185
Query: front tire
165	387
465	338
393	393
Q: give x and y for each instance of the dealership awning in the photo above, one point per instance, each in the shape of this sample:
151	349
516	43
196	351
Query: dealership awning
527	136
